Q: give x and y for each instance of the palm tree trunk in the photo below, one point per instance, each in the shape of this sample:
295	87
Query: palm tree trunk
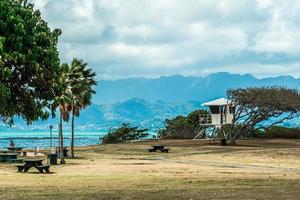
72	132
61	141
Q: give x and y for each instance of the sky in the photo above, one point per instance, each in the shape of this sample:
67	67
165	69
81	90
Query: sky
152	38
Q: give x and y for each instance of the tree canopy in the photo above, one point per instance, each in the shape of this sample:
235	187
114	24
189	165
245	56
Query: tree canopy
124	133
29	62
181	126
262	108
81	83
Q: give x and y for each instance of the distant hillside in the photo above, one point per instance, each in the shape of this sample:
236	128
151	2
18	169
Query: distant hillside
182	89
148	102
135	111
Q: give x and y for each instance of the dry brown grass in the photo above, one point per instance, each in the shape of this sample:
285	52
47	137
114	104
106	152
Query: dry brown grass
258	169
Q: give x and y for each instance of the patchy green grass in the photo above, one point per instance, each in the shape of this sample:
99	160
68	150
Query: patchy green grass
163	189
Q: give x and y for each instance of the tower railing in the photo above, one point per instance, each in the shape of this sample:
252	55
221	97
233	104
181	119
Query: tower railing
212	119
205	119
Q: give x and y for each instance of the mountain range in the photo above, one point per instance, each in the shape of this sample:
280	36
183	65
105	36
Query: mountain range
134	111
148	102
182	89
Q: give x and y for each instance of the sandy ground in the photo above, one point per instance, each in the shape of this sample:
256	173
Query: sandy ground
254	169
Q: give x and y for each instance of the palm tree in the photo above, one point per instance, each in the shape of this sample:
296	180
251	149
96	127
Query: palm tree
62	101
81	81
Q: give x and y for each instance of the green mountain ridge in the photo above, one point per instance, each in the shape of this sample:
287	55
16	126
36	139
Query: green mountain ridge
148	102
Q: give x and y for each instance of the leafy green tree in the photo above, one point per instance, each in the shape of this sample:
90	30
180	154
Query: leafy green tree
29	62
181	127
255	106
194	117
75	88
123	134
81	82
279	132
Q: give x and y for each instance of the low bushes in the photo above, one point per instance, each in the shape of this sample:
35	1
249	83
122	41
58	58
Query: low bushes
124	133
181	127
280	132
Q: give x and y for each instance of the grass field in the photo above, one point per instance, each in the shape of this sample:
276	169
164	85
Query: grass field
255	169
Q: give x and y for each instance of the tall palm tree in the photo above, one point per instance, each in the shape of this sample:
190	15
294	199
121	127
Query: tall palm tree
81	81
62	101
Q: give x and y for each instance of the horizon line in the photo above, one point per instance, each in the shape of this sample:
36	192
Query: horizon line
201	76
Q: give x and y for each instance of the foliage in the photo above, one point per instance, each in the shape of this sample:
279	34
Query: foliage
193	117
29	62
254	106
75	88
63	97
123	134
75	93
231	130
61	102
279	132
81	82
181	127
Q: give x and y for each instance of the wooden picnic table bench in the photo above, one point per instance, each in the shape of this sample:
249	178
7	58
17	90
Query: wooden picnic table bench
13	149
36	163
41	168
160	148
8	157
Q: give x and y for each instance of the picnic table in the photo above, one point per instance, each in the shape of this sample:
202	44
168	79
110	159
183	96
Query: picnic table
8	157
14	148
160	148
36	163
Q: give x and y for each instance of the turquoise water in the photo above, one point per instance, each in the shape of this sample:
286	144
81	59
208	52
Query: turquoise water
41	138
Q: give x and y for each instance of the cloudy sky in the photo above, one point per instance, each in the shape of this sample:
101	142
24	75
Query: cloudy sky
150	38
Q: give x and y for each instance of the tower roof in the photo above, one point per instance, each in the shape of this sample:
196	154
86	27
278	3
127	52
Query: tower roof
217	102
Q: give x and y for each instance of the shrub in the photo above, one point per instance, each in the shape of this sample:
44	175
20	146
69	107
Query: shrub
181	127
280	132
124	133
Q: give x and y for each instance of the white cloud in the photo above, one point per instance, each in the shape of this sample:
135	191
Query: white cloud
124	38
282	35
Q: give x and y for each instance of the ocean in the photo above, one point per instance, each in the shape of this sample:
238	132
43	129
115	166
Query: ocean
41	138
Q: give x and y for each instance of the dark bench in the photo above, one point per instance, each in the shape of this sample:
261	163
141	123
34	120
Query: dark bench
165	150
161	148
7	157
151	150
43	167
36	163
14	149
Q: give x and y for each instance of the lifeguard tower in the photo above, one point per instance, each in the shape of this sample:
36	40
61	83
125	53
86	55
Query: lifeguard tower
221	112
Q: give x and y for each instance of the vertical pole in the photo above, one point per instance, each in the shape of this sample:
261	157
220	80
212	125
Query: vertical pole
220	111
51	136
58	149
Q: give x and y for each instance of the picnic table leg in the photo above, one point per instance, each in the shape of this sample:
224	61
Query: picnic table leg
47	170
26	169
20	169
40	170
